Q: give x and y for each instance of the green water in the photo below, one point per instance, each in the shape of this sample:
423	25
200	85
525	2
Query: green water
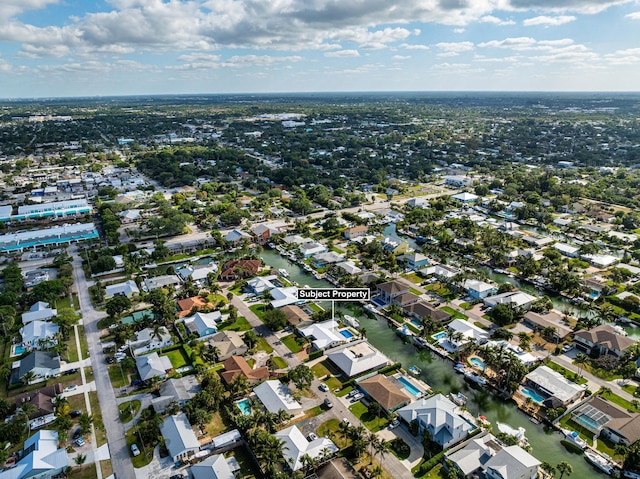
438	373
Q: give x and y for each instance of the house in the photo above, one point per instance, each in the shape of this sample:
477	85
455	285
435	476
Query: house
130	216
229	343
42	364
179	390
467	332
356	232
567	250
479	289
516	298
602	340
419	203
199	276
423	310
238	269
441	271
128	289
406	299
608	420
457	181
284	296
187	305
41	458
484	455
37	334
42	400
465	198
149	339
152	366
277	396
330	257
261	284
595	287
237	366
296	447
525	357
414	261
203	324
39	311
323	335
391	289
235	236
158	282
554	387
263	233
296	317
215	467
540	321
349	267
601	260
385	392
395	246
440	417
179	437
358	357
311	248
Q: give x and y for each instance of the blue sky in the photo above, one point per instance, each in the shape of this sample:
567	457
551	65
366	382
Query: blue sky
53	48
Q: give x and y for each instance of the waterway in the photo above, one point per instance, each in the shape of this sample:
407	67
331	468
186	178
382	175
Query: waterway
438	373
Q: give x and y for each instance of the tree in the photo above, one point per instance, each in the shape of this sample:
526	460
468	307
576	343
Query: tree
548	468
581	360
117	305
275	319
85	420
502	314
301	376
564	468
250	339
80	459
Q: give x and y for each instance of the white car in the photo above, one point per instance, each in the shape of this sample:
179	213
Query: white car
312	436
73	387
357	397
566	348
394	424
134	450
323	387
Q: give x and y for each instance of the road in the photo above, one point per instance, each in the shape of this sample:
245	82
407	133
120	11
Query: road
118	448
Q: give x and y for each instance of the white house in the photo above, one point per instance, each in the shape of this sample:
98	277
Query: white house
311	248
284	296
554	386
179	437
440	417
261	284
477	289
203	324
215	467
43	459
37	332
357	357
146	340
567	250
517	298
323	335
128	289
153	366
296	446
276	396
468	332
39	311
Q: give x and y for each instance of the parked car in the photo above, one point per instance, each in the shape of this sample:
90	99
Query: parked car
73	387
134	449
328	403
76	434
79	442
312	436
137	382
357	397
323	387
178	476
71	371
346	421
75	413
394	424
566	348
109	359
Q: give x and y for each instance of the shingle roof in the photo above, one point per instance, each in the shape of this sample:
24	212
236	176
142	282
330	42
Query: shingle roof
605	335
387	394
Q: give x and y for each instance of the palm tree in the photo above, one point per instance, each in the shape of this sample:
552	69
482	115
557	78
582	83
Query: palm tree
581	360
604	390
375	409
564	468
545	466
380	447
28	377
80	459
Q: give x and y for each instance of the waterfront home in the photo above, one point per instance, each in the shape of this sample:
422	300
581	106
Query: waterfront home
395	246
413	261
553	319
296	316
516	298
263	233
442	271
159	282
525	357
356	358
236	236
405	299
128	289
179	437
602	340
467	332
229	343
440	417
203	324
296	447
323	335
261	284
311	248
179	390
601	260
551	388
153	366
479	289
215	467
39	311
486	455
355	232
330	257
277	396
389	290
284	297
40	458
382	390
349	267
608	420
42	364
422	310
199	276
238	366
567	250
239	269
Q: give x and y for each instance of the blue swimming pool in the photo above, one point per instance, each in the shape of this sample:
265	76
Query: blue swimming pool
588	422
409	387
477	362
245	406
441	335
18	350
416	323
532	394
346	333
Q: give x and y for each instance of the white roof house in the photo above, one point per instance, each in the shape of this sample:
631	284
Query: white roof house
237	235
261	284
146	341
311	248
566	249
40	311
196	274
440	417
204	324
554	385
323	335
276	396
357	357
151	366
525	357
296	446
512	462
128	288
43	460
349	267
469	331
35	331
601	260
179	437
215	467
284	296
465	197
517	298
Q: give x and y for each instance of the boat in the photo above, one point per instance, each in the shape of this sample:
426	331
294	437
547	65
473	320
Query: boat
519	433
420	342
602	462
534	420
574	438
404	330
350	320
458	398
475	378
459	368
415	370
283	272
272	245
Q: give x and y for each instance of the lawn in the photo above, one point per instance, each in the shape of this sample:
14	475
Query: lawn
128	410
278	362
106	467
370	421
86	471
320	370
466	306
146	454
178	358
308	414
101	435
240	324
583	432
72	349
623	403
454	314
415	291
570	375
84	347
601	373
258	310
119	377
248	469
290	342
216	426
263	345
413	277
435	473
331	429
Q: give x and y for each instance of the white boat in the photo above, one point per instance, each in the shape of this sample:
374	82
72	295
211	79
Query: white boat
458	398
605	464
415	370
404	330
283	272
350	320
519	433
574	438
475	377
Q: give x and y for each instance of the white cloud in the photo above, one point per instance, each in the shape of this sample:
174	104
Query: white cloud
343	54
455	47
633	16
514	43
495	20
548	21
401	57
408	46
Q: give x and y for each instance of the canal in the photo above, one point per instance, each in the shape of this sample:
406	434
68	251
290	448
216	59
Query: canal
438	373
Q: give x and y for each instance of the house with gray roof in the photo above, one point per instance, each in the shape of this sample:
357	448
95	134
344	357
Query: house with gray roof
128	289
39	311
178	390
216	467
41	458
43	364
153	366
179	437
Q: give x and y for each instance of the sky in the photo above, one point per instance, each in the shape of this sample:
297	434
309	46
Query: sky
66	48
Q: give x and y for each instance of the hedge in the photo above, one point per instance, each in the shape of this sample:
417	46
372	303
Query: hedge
430	464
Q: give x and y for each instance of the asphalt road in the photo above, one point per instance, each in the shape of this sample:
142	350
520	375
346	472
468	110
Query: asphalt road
118	449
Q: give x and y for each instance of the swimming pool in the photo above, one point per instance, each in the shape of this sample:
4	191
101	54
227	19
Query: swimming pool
441	335
532	394
18	350
245	406
477	362
409	387
416	323
587	421
346	333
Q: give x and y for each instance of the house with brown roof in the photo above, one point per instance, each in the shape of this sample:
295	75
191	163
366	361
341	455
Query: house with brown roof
296	317
392	289
406	299
539	321
187	304
237	365
602	340
240	268
422	310
355	232
42	399
383	391
608	420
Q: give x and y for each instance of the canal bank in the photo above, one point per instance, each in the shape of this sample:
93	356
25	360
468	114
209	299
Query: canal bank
439	374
